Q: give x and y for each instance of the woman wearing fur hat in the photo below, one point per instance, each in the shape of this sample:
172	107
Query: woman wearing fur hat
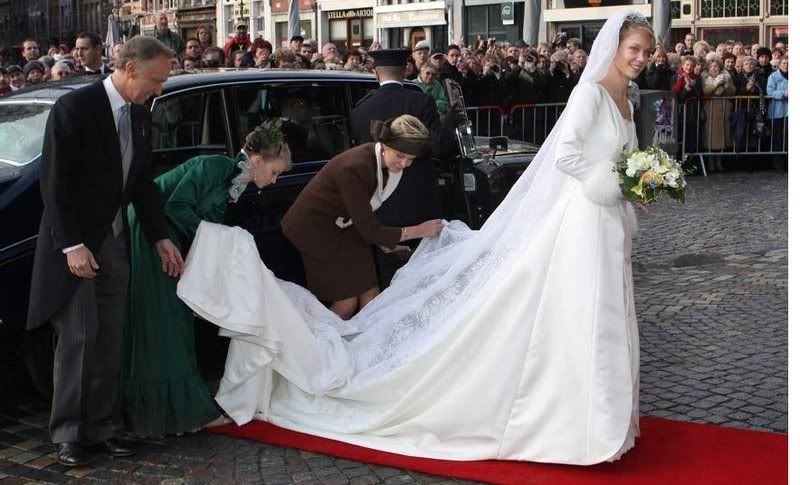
332	222
163	392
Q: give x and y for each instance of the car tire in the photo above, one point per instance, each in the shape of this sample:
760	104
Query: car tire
38	346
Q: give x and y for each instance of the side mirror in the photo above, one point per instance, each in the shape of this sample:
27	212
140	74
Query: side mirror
498	143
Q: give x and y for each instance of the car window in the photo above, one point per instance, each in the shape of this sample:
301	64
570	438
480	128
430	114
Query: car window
22	131
315	117
360	90
192	120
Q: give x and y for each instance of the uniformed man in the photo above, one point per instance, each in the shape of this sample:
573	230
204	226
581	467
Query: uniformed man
416	198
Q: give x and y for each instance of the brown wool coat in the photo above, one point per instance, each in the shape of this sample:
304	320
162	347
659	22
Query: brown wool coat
343	188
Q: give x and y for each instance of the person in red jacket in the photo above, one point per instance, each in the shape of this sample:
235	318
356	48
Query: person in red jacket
239	42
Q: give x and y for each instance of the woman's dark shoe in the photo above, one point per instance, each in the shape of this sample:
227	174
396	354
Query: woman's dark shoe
71	454
114	448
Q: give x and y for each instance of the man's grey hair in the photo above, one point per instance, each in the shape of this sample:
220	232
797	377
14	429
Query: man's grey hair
161	13
142	48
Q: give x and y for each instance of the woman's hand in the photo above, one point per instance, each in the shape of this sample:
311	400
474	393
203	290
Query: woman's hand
171	259
429	229
642	207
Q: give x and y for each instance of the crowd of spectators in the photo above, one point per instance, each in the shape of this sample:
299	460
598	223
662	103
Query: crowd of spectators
490	73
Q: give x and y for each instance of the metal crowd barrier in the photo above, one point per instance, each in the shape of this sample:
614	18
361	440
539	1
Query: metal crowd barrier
487	120
728	125
715	126
533	122
528	122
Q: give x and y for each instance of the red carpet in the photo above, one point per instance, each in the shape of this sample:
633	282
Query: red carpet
669	453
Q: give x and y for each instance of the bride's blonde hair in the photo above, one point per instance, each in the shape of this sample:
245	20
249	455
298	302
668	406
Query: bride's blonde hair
634	23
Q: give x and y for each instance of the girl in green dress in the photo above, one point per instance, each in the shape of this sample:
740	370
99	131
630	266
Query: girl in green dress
162	389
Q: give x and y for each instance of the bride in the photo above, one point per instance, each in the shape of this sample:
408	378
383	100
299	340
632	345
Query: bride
515	342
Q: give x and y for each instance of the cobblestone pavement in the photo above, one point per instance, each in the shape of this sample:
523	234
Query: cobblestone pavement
711	296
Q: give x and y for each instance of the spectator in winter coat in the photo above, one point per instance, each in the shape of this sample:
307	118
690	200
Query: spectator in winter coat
449	68
778	89
659	74
687	88
752	81
432	87
239	42
764	57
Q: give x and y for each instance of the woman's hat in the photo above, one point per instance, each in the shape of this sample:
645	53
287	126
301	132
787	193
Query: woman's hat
31	66
381	132
763	51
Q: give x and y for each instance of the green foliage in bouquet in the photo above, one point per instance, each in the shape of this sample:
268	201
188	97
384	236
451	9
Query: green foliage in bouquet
646	174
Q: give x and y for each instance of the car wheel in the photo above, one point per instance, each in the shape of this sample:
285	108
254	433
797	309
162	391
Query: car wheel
39	347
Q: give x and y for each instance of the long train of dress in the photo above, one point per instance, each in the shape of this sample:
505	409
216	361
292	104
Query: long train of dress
515	342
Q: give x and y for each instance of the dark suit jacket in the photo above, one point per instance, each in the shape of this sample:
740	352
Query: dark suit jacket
416	199
343	188
81	185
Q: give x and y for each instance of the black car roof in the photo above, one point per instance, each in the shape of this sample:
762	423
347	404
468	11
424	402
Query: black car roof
53	90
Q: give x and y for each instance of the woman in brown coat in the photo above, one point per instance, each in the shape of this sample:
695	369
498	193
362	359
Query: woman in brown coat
332	222
716	82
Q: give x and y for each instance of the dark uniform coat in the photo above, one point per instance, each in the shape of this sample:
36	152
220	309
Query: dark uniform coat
338	260
416	199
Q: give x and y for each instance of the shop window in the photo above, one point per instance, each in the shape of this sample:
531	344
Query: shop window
282	32
485	20
258	16
729	8
747	35
779	34
229	20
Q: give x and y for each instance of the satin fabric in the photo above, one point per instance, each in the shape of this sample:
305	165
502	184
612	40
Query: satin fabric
541	365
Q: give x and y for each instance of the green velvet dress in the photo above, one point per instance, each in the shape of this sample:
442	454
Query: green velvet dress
162	389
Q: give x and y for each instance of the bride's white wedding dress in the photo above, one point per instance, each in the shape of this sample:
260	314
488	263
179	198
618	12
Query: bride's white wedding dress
518	341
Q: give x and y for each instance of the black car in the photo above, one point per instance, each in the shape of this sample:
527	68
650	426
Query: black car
211	113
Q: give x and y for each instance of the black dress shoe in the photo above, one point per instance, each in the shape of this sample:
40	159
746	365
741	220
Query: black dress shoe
71	454
114	448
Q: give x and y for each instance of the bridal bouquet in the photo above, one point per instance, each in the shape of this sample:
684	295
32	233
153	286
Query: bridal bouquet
646	174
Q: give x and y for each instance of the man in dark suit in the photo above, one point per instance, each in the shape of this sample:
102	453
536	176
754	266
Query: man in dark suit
95	160
416	198
89	49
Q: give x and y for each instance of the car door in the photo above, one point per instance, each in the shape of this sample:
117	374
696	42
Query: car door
317	128
189	123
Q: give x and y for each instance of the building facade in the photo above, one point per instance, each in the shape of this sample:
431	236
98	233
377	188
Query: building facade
346	23
749	21
280	21
185	16
254	12
401	23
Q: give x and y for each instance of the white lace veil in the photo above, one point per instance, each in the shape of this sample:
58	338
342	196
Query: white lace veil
443	282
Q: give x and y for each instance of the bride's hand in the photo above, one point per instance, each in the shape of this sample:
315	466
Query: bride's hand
642	207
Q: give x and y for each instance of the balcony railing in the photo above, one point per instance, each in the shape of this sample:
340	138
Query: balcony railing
729	8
